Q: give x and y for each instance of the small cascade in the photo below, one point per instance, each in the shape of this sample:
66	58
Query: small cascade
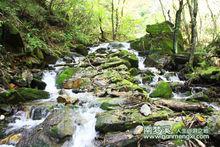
85	114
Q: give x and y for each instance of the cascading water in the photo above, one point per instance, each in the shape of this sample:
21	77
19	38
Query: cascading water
85	115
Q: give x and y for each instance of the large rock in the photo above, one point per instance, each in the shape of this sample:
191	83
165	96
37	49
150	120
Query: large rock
162	90
22	95
119	139
157	43
209	75
35	83
159	38
64	75
121	120
65	99
12	39
39	112
81	49
126	55
54	131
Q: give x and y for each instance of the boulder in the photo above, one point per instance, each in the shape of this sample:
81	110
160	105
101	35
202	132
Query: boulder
121	120
115	45
126	55
157	43
81	49
22	95
39	112
65	99
114	62
12	39
209	75
162	90
64	75
35	83
54	131
119	139
78	84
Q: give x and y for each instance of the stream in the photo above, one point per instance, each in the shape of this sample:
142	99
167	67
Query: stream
85	115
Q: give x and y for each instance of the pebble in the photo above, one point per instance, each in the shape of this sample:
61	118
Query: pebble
145	110
138	130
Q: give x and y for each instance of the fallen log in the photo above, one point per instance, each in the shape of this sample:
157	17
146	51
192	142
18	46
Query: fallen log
181	106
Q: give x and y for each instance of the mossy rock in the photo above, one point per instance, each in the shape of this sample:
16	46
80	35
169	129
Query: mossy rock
160	28
81	49
209	75
126	55
121	120
64	75
162	90
23	95
159	40
114	62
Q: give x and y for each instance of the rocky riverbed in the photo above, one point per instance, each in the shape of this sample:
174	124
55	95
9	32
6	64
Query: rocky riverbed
104	99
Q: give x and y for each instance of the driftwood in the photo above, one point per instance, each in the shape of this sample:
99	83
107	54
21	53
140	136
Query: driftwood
181	106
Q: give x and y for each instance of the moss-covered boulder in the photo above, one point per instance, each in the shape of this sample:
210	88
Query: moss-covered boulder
64	75
126	55
114	62
81	49
162	90
159	39
57	128
121	120
209	75
157	44
22	95
11	38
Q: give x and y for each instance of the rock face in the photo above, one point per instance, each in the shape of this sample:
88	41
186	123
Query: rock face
54	131
22	95
162	90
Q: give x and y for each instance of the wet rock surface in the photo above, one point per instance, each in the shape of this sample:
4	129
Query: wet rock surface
112	92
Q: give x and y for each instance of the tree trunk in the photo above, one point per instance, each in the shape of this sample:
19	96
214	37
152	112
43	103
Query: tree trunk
186	26
177	27
113	22
162	7
193	9
213	20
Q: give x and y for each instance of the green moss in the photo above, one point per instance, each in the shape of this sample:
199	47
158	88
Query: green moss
134	71
54	131
121	120
65	75
126	55
22	95
159	28
128	85
114	62
158	41
162	90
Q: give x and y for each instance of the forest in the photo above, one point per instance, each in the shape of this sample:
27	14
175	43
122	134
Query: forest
109	73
